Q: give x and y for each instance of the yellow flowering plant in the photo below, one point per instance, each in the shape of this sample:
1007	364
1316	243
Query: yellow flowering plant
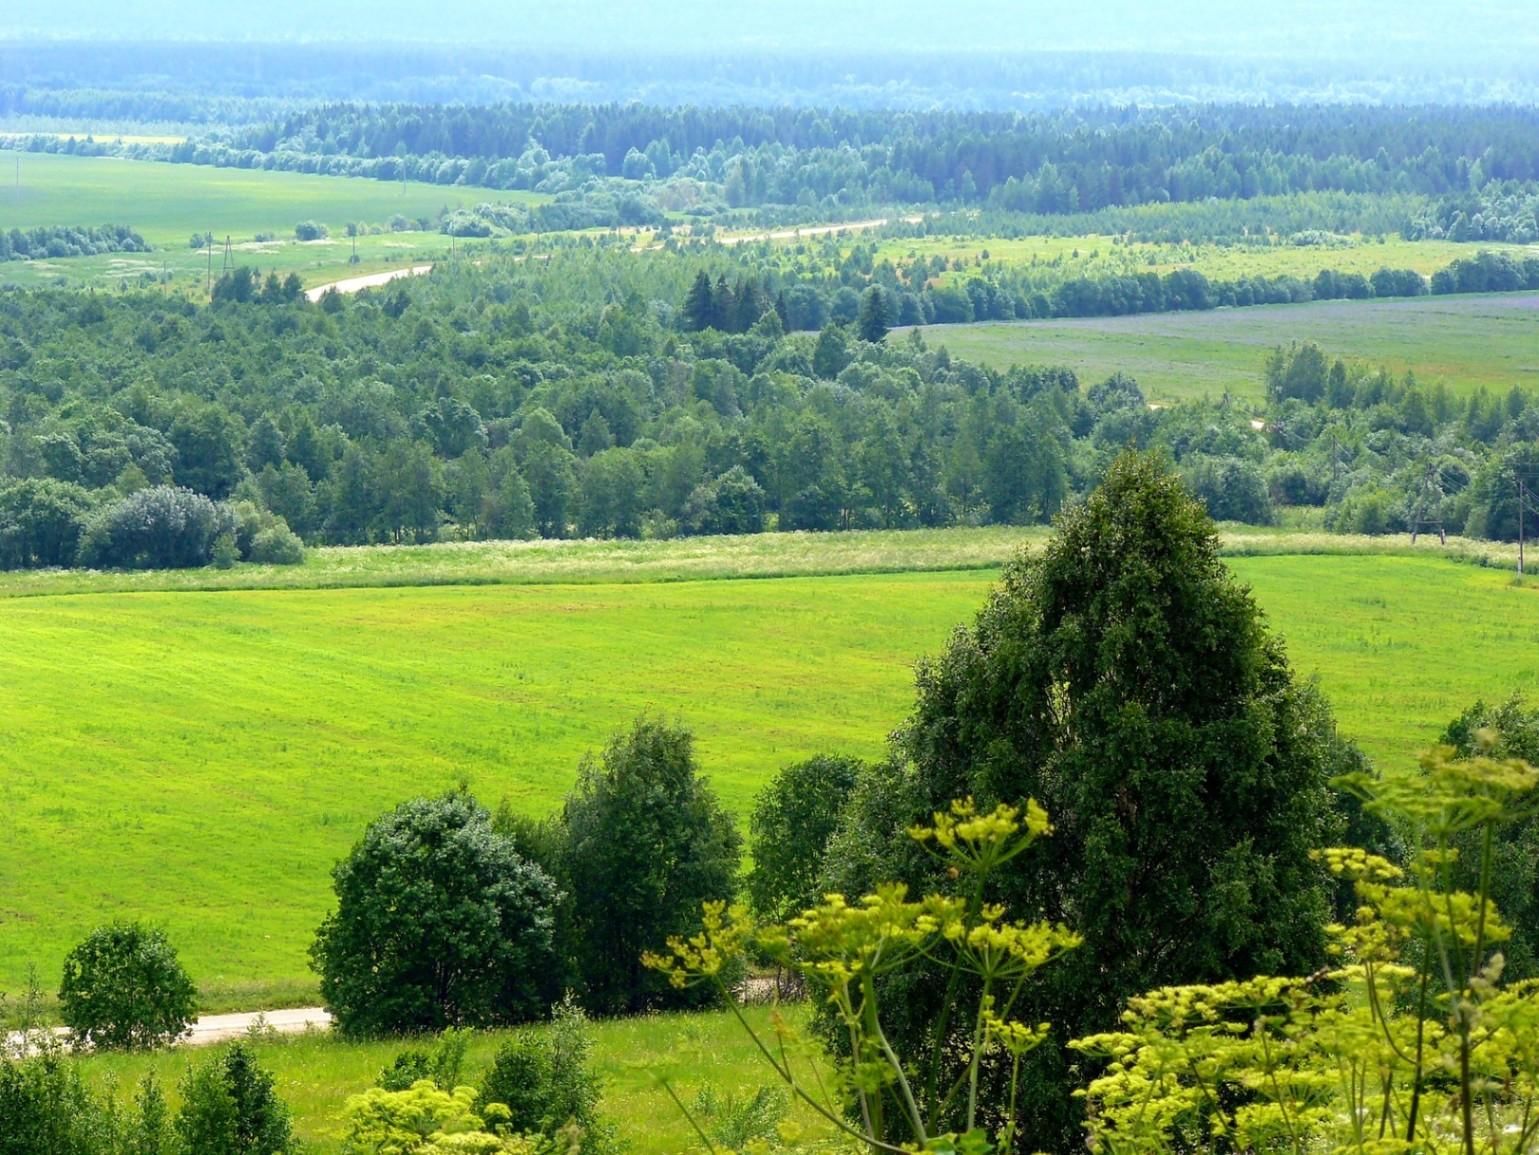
1408	1042
842	948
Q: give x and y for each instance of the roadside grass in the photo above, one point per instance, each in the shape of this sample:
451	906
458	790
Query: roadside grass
1465	342
166	203
315	1074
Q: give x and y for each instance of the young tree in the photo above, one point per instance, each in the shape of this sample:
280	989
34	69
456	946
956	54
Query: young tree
439	922
124	987
793	819
229	1105
1126	681
647	843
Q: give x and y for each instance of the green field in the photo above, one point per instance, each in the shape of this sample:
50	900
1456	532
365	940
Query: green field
1102	256
202	758
166	203
1463	341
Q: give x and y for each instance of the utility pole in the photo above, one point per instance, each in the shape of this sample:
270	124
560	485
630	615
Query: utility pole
1522	501
209	237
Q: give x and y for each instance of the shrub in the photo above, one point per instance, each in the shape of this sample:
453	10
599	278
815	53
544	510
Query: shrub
439	922
229	1106
311	231
442	1064
123	987
276	545
158	528
545	1081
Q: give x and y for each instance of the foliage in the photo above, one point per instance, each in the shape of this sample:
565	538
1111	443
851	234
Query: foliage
546	1081
1507	730
882	1097
1126	679
441	1064
426	1120
647	842
1409	1041
159	528
123	987
439	922
793	818
229	1105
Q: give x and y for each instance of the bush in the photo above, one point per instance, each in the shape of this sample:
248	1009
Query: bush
545	1081
123	987
441	1064
311	231
229	1106
158	528
276	545
439	922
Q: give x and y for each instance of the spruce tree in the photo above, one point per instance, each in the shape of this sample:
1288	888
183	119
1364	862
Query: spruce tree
1125	680
699	306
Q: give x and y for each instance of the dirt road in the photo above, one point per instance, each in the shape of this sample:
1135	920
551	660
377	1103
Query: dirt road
372	281
211	1029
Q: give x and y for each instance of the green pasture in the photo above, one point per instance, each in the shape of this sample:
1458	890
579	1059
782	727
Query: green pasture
1463	341
315	1074
201	759
1100	256
167	203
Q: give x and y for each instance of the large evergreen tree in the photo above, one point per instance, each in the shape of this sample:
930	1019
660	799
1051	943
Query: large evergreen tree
1125	680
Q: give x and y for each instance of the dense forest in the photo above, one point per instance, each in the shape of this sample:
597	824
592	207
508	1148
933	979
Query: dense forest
571	397
1461	173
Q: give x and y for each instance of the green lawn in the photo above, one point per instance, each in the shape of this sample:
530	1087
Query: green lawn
167	203
1464	341
202	758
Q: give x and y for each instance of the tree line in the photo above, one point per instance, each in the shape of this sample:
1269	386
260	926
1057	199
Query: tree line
451	408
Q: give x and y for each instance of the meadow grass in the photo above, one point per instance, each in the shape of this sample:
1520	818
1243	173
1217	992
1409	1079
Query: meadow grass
1098	256
167	203
315	1074
201	758
1463	341
767	555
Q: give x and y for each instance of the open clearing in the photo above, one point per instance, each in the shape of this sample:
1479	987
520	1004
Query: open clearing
201	759
167	203
1463	341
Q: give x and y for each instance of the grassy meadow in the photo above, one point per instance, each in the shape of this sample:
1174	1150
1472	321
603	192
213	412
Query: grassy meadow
201	758
1100	256
166	203
315	1074
1463	341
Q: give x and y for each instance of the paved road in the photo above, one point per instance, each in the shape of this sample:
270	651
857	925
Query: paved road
212	1029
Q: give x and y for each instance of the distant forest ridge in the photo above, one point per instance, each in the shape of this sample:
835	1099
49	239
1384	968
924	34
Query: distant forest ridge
206	81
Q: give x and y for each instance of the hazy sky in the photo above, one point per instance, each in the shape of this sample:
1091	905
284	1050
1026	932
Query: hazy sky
1377	27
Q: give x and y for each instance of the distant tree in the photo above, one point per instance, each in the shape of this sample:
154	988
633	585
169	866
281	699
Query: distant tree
41	521
647	843
793	819
124	988
872	323
439	922
311	231
699	306
832	352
